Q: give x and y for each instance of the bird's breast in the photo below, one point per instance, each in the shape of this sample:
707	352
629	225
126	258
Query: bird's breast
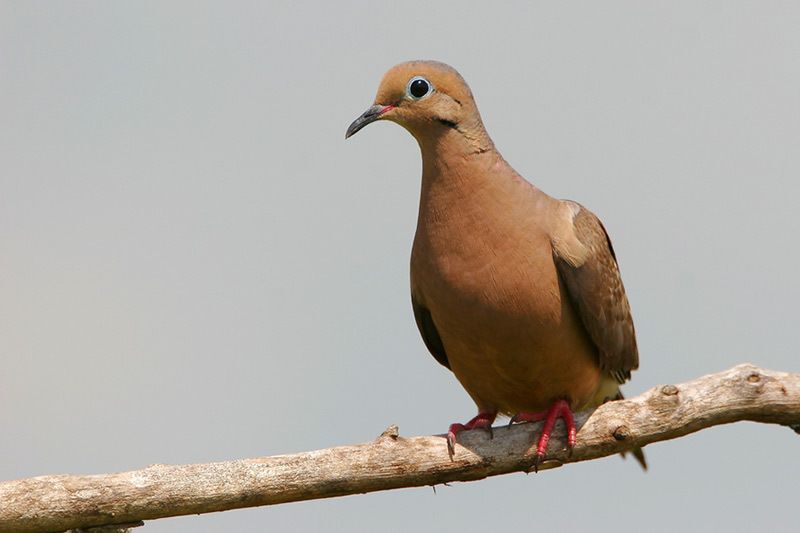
480	276
511	335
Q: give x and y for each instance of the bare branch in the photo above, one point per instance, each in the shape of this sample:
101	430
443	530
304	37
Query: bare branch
57	503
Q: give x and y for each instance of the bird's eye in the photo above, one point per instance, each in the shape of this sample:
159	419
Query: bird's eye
418	87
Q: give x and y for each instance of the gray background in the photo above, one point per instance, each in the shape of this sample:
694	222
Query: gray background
195	266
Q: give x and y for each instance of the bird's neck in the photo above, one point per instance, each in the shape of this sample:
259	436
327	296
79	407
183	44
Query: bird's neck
460	140
461	175
455	160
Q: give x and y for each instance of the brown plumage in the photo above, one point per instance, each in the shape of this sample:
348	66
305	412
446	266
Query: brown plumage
516	292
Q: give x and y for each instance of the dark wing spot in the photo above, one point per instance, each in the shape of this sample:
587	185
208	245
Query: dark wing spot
430	335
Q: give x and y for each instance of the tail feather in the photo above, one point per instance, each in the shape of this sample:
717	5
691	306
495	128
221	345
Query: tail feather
637	452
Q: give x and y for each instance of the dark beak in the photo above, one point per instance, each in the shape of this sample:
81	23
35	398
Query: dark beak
370	115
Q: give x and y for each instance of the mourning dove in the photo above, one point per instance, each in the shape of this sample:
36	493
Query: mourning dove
516	292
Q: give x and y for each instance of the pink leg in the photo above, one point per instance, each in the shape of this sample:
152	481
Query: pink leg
483	420
559	409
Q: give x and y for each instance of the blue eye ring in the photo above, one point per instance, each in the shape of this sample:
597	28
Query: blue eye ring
418	87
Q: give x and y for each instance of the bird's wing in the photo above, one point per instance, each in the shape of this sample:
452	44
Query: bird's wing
430	335
588	268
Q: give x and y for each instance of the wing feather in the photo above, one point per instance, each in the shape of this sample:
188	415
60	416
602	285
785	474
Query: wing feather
591	276
430	335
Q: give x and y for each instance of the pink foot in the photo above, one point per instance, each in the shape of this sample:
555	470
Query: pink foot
559	409
483	420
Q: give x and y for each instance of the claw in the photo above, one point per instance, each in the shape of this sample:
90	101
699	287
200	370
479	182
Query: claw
451	437
537	460
482	420
559	409
520	418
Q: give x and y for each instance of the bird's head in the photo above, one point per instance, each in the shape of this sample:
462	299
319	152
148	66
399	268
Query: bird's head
427	98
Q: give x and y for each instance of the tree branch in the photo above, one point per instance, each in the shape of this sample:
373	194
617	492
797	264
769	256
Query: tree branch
57	503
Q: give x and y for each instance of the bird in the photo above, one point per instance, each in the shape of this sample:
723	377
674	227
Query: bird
516	292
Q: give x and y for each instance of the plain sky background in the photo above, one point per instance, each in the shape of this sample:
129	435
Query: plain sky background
195	266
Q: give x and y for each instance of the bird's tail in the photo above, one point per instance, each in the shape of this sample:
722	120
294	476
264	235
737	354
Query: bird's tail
637	452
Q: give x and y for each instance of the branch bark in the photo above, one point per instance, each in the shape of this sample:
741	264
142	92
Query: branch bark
61	502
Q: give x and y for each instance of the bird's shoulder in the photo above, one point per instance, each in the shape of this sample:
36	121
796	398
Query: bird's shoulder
577	235
587	265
